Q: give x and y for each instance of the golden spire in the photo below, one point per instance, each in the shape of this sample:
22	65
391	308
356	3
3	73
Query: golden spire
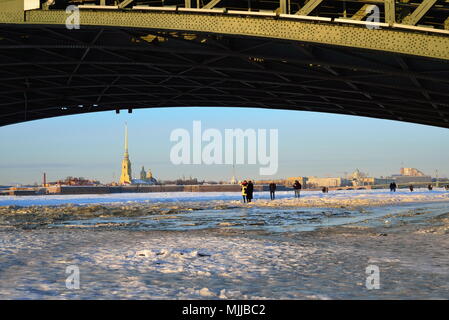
126	177
126	139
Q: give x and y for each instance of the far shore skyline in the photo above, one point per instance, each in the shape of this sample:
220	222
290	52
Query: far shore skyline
226	179
310	144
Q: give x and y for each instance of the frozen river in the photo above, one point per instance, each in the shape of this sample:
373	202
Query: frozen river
196	248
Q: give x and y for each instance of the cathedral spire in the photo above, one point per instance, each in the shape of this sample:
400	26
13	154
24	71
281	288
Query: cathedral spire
126	177
126	139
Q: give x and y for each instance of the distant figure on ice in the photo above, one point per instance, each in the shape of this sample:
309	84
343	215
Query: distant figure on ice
393	187
297	186
244	186
446	187
411	188
325	190
430	187
249	191
272	190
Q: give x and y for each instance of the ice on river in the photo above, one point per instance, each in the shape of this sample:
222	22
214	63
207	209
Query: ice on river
284	198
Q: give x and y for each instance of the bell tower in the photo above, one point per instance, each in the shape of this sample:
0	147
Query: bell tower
125	177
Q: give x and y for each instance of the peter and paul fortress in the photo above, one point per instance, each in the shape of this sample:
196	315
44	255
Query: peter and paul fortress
126	175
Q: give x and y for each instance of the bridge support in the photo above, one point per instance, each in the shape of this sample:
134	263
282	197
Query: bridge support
415	16
18	5
211	4
283	6
13	10
124	3
359	15
308	7
390	12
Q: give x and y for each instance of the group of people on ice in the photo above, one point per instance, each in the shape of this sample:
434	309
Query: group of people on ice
248	189
393	187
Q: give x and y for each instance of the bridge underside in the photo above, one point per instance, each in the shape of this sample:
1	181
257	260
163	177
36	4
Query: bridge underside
49	71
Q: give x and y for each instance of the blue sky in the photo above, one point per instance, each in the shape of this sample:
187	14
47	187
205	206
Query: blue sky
91	145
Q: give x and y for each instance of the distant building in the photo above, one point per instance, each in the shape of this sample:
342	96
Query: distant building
143	174
412	172
359	178
145	178
126	176
291	180
410	175
288	182
74	181
316	182
233	179
411	179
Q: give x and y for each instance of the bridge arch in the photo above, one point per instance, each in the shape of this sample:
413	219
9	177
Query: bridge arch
144	59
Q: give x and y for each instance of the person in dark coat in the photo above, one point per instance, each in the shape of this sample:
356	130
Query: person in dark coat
249	191
430	187
411	188
272	187
393	187
297	186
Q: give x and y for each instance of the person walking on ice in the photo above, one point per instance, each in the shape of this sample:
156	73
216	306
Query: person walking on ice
272	187
297	186
249	191
392	187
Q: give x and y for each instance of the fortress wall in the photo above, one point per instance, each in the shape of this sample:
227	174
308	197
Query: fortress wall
155	188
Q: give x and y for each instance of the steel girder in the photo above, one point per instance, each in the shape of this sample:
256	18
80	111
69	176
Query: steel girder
430	13
49	71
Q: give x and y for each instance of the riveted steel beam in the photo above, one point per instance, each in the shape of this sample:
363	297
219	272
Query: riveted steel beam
392	40
154	59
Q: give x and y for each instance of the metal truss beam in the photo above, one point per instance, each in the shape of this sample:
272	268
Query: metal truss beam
308	7
211	4
124	3
361	13
50	71
384	39
390	11
283	6
418	13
